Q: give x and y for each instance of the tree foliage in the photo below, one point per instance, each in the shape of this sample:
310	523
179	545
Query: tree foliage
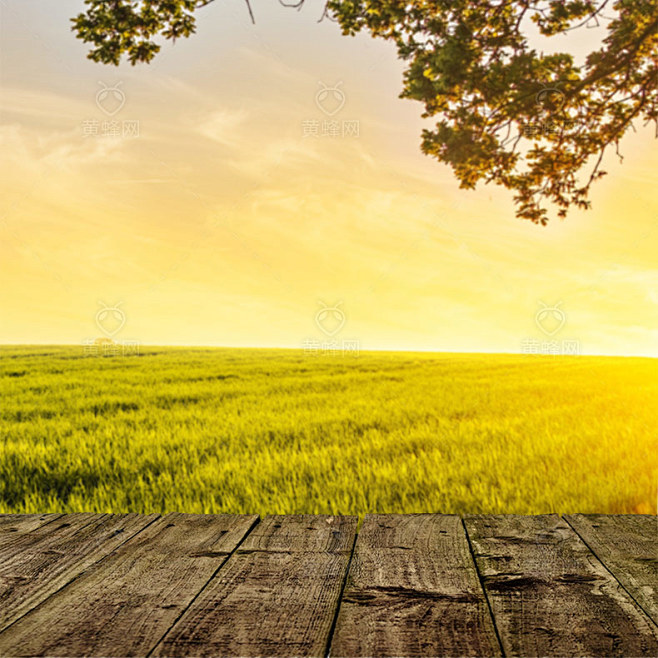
538	124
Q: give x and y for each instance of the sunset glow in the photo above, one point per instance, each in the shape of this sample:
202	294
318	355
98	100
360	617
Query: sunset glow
236	199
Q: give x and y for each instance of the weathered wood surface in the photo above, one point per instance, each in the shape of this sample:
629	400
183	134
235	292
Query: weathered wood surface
35	564
628	546
550	595
142	587
11	523
413	590
411	585
276	596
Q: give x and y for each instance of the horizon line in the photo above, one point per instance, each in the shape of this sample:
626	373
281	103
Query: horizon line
369	350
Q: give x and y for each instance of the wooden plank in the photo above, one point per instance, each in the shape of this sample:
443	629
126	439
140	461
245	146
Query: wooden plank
413	590
627	544
20	523
125	604
277	595
550	595
34	565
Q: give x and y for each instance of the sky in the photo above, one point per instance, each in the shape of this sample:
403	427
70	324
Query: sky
196	201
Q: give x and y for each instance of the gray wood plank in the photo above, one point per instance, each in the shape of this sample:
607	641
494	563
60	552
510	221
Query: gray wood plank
413	590
550	595
276	596
20	523
34	565
125	604
627	544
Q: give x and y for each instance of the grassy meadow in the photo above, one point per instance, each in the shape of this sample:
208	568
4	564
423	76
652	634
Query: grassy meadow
279	431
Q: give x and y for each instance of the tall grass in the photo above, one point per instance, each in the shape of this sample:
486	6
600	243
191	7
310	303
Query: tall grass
278	431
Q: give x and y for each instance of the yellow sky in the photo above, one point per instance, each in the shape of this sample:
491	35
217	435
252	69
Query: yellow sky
222	224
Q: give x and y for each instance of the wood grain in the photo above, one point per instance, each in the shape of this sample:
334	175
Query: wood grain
20	523
181	585
125	604
35	564
628	546
413	590
550	595
276	596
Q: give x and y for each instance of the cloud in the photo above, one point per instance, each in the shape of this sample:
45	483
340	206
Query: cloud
224	126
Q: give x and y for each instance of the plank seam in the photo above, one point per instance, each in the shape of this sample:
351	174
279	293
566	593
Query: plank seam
255	523
483	588
58	515
82	573
609	570
332	630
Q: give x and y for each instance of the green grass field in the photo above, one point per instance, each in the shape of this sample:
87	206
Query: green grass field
278	431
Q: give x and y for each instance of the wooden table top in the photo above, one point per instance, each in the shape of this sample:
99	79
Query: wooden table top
403	585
